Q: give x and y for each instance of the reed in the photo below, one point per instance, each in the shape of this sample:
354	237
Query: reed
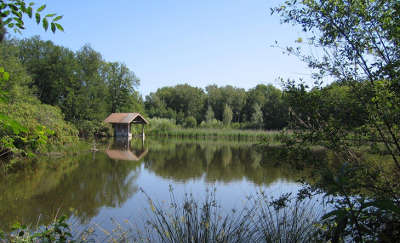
261	219
225	133
189	220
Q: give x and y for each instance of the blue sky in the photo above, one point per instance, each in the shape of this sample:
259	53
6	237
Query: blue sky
168	42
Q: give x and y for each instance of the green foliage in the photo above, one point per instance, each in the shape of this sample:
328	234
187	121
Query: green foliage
359	42
13	12
272	104
227	116
94	128
182	101
58	231
218	97
121	83
209	114
27	125
81	83
257	116
190	122
176	103
214	123
161	125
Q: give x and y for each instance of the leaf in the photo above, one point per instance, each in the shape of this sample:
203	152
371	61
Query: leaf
6	75
45	24
5	13
7	21
29	11
13	7
12	124
53	27
1	70
37	18
57	18
59	27
41	8
50	15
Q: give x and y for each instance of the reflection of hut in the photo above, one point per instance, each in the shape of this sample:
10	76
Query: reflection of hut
121	123
125	154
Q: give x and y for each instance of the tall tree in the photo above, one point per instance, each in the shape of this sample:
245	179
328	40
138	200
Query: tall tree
234	97
228	115
257	116
360	48
93	86
121	83
176	102
209	114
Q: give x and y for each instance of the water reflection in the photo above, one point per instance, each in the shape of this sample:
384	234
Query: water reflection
220	162
110	177
126	149
56	187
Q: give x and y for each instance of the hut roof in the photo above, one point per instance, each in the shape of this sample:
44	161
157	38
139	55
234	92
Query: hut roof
125	118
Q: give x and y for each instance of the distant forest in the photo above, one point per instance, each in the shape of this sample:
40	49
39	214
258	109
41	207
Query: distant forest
82	88
86	88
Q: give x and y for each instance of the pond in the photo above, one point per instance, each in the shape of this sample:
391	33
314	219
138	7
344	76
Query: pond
94	187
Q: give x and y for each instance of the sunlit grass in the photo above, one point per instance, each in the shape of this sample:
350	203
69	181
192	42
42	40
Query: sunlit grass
205	133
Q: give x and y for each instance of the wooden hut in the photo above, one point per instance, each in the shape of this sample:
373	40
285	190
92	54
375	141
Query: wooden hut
121	123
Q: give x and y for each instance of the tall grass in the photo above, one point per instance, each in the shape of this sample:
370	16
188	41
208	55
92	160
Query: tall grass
262	219
190	220
226	133
291	220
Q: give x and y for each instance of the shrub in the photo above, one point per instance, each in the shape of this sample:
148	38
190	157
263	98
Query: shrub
34	128
214	123
94	128
190	122
161	125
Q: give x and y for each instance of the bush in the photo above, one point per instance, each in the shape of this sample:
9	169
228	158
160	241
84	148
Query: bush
94	128
33	128
190	122
214	123
158	125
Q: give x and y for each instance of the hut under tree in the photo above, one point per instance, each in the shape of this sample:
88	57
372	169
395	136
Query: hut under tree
121	123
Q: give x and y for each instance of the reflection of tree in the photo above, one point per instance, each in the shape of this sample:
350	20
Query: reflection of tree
208	152
81	184
185	161
177	162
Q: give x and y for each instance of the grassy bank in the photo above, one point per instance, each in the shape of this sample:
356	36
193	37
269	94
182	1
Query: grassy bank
224	133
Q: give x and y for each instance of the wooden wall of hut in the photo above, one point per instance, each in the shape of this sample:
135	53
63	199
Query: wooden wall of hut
122	130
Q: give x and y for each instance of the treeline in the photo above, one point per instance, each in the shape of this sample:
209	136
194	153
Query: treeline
262	107
50	94
84	86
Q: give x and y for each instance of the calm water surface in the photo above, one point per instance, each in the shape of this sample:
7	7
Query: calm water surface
93	187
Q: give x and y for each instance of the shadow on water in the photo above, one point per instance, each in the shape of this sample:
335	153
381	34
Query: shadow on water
82	185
